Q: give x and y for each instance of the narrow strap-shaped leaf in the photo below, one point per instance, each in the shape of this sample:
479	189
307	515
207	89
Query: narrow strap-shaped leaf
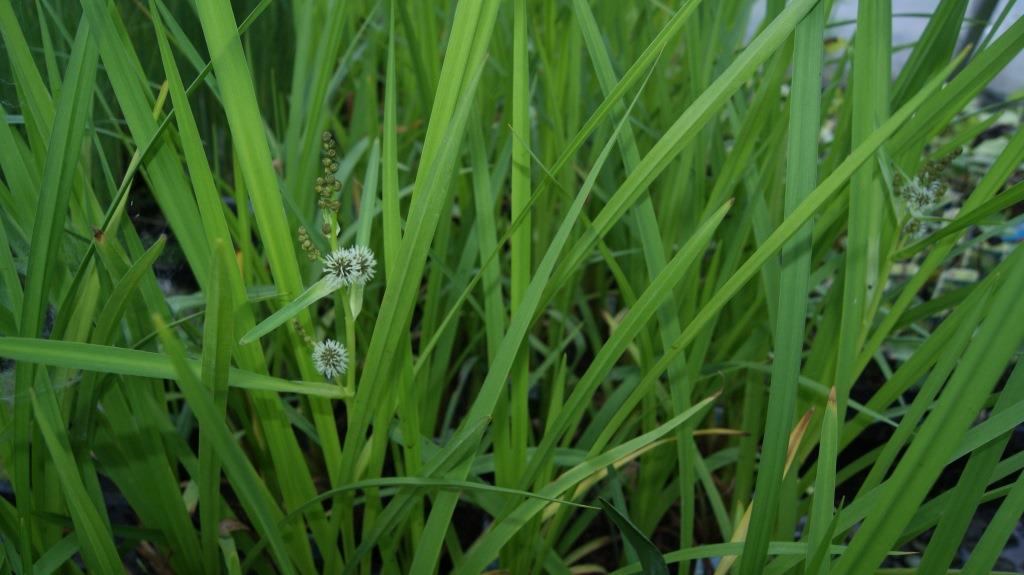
103	358
794	284
486	547
97	541
289	464
775	548
998	532
651	561
430	483
985	453
218	343
314	293
646	306
57	555
814	201
169	184
976	374
252	492
63	148
685	129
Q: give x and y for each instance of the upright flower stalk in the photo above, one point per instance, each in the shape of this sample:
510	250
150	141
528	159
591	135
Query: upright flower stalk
347	271
350	269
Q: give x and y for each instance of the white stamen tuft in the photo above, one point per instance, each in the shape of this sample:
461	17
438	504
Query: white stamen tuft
330	358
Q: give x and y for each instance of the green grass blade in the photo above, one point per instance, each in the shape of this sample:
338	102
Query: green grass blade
250	143
56	556
428	482
932	50
686	127
794	280
169	182
511	439
103	358
967	494
218	338
486	547
390	207
503	362
815	200
429	197
643	310
998	532
823	506
869	225
62	154
253	494
651	561
962	397
296	482
324	287
96	540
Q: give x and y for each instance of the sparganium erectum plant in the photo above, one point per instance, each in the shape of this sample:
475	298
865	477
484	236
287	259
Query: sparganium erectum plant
517	286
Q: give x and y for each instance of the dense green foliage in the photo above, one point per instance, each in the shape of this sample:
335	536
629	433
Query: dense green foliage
648	289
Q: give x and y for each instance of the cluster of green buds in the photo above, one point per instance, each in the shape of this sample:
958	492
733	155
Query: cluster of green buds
923	192
327	184
307	245
915	229
303	334
934	170
920	194
927	188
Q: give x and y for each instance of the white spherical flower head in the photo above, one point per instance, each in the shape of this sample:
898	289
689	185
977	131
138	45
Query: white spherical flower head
336	267
361	264
330	358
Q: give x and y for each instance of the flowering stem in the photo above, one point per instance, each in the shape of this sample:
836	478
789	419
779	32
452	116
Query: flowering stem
331	219
347	381
350	342
342	519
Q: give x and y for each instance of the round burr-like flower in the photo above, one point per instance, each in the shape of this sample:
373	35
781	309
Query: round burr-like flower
336	267
350	266
361	264
330	358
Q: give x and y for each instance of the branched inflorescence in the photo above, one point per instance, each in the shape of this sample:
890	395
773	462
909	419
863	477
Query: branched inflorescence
327	185
351	267
307	245
923	192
